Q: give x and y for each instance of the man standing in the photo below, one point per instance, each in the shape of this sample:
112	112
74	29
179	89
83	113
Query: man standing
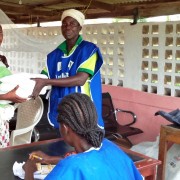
74	66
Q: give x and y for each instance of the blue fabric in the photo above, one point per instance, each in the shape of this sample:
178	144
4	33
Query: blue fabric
60	66
108	163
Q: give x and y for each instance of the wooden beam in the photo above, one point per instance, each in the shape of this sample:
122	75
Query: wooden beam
159	9
51	3
164	1
26	10
33	20
97	4
96	9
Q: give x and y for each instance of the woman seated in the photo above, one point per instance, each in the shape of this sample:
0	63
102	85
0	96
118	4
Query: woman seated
95	157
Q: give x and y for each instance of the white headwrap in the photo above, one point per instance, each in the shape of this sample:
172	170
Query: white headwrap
79	16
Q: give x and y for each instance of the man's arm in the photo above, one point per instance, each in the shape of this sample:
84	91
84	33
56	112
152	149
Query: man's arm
78	80
84	72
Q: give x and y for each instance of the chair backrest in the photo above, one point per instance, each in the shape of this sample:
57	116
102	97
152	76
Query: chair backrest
29	114
108	112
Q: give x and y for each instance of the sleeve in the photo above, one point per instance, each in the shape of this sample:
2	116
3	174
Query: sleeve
44	71
89	65
4	72
61	174
67	169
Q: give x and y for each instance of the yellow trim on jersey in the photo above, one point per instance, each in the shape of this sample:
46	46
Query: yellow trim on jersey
44	71
88	67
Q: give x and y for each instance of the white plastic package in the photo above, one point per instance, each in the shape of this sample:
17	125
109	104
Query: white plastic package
26	85
151	149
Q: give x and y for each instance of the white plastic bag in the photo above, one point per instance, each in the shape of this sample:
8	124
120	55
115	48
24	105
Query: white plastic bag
148	148
151	149
173	163
26	85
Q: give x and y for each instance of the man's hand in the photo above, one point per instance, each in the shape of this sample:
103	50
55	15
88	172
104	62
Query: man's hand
40	83
12	96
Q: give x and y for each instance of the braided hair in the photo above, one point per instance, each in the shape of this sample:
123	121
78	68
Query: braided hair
79	113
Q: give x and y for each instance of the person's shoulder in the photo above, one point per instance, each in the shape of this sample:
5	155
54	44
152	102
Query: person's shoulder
108	145
54	51
107	142
73	161
88	43
75	157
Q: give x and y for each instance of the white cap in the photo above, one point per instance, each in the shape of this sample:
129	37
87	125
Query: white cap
79	16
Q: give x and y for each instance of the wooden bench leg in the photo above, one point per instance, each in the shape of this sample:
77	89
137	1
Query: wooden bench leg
162	155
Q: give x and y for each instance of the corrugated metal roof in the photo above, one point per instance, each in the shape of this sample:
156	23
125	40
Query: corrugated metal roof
124	1
51	10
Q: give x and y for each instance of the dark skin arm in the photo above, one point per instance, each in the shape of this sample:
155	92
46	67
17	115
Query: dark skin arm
11	96
29	168
78	80
46	159
80	144
30	165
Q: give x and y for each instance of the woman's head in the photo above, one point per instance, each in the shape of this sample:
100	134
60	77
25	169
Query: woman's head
79	113
77	15
72	22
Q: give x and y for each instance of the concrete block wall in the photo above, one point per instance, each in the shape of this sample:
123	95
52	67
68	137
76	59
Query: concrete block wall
141	66
144	57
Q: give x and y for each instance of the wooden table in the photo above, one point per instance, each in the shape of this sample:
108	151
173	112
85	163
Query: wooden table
146	165
168	133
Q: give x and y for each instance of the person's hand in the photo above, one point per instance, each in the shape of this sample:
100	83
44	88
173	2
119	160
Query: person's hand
44	158
40	83
41	157
29	168
4	60
12	96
